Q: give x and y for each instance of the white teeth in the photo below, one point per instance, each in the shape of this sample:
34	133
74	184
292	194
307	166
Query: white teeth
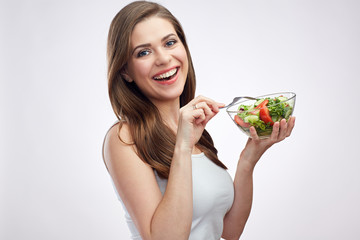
166	75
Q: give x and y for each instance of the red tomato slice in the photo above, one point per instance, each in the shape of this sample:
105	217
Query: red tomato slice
262	104
265	115
241	122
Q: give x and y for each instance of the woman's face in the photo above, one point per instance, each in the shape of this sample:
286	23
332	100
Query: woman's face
158	63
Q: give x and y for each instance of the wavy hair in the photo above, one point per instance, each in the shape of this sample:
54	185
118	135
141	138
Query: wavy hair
154	141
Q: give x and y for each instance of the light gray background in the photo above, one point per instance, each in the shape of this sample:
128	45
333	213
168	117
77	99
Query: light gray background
55	112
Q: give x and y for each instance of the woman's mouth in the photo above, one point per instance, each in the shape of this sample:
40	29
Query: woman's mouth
166	75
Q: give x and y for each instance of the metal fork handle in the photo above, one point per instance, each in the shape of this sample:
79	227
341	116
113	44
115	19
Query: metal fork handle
236	99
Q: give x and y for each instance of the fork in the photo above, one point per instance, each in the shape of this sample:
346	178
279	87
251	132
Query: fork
236	99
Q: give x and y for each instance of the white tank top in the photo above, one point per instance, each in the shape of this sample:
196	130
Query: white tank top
213	195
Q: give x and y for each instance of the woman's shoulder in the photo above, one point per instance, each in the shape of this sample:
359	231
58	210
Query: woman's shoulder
117	140
120	130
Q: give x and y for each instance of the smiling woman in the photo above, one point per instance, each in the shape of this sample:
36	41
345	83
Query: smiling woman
162	161
158	64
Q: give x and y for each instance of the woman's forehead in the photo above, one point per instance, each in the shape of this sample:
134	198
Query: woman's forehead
151	30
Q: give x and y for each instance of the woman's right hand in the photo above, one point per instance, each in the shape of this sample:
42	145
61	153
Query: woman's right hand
193	118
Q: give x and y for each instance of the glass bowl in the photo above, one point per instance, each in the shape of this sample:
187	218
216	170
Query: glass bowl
263	112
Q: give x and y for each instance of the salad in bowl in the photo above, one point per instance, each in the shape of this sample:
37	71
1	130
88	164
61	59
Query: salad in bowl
263	112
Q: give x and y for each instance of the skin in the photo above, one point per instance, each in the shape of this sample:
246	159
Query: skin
157	48
170	216
235	219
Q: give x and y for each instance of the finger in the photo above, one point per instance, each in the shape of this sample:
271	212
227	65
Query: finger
253	133
205	107
283	129
220	105
200	120
291	124
216	107
199	115
209	113
211	103
275	132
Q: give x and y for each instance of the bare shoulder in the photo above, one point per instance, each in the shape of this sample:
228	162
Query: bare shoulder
117	131
118	144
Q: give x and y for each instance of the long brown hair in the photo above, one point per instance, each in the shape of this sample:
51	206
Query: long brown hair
154	141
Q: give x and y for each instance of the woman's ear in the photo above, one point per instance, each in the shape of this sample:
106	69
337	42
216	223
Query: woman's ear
126	76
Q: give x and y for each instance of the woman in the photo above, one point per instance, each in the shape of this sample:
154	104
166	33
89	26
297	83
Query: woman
162	161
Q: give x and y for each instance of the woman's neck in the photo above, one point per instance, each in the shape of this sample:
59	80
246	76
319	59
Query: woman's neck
170	113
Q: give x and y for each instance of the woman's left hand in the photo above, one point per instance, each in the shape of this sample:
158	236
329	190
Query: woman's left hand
255	147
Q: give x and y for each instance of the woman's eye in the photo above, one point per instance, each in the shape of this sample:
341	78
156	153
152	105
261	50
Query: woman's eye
143	53
170	43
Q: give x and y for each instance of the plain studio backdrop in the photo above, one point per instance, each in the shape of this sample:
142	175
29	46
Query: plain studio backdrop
55	112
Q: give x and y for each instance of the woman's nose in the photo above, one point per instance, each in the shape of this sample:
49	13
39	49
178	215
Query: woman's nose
162	57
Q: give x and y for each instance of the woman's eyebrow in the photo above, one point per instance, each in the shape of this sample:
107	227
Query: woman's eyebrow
141	46
167	36
149	45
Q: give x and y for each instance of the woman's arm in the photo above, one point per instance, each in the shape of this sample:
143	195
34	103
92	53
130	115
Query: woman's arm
235	219
157	216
